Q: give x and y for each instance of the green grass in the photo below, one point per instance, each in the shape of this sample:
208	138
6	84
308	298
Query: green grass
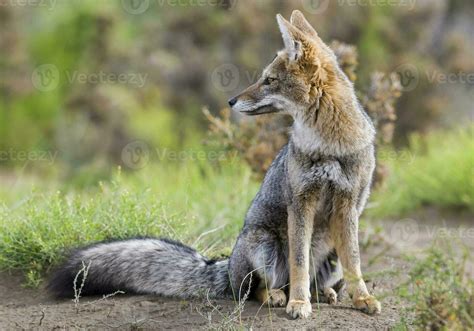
181	202
436	170
439	291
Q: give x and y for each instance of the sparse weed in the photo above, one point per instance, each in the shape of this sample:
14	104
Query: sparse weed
440	292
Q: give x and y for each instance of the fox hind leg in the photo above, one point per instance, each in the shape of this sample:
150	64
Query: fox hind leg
272	268
329	282
272	297
330	295
259	261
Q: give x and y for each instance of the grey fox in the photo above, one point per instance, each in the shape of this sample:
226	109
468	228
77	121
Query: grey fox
301	227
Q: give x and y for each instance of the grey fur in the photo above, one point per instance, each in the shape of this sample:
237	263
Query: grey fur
143	265
264	238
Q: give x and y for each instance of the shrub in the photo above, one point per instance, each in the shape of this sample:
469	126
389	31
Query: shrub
440	293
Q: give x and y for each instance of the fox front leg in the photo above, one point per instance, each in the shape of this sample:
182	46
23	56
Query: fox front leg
300	229
344	233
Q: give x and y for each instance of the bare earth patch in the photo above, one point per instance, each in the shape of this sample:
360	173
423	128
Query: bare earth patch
25	310
22	308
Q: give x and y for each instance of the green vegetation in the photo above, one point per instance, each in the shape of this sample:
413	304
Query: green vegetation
440	291
436	170
187	202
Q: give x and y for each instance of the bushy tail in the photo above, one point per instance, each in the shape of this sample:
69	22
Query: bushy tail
144	266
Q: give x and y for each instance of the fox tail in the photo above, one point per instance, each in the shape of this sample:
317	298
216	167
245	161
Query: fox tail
143	266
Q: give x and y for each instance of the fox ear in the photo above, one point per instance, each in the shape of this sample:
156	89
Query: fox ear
292	38
298	20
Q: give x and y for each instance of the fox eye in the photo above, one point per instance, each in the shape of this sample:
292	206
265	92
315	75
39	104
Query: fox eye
269	80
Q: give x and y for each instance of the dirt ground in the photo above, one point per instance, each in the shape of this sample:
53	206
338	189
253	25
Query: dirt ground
28	309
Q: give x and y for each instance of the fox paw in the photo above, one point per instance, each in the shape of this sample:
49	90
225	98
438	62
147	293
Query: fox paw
277	298
330	295
367	304
299	309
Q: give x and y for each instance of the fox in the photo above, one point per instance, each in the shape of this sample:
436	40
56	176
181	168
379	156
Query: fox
300	235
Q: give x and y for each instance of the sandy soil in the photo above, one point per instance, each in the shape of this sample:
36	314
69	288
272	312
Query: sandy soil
27	309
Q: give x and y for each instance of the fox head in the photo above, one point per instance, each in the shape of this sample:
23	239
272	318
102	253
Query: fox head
305	80
297	77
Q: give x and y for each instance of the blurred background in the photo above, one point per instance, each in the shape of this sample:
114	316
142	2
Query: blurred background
80	80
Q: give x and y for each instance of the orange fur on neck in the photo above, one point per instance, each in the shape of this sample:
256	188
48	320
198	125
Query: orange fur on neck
336	114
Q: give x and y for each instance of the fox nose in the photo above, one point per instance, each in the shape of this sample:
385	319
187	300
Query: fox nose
232	101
